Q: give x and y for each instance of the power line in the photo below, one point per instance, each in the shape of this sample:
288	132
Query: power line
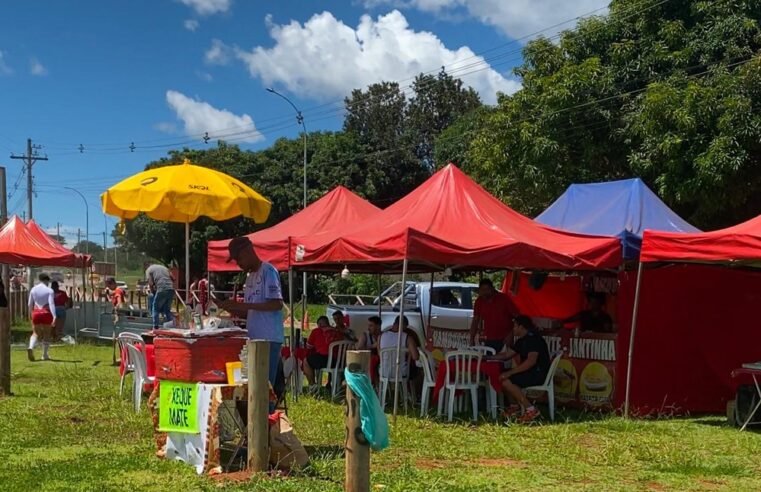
457	69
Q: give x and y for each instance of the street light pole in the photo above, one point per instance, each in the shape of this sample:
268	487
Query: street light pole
299	120
87	218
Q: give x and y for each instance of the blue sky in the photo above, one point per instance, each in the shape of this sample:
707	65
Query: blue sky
105	74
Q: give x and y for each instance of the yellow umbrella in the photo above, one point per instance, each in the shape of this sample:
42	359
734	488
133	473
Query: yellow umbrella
183	193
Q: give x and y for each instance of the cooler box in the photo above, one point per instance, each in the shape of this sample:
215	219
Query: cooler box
200	360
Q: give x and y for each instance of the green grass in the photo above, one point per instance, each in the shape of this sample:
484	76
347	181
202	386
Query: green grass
66	428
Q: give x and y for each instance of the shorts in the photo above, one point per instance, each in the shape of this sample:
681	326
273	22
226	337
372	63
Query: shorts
317	361
42	317
60	313
528	378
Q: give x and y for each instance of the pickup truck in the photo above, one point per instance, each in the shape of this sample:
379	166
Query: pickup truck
450	303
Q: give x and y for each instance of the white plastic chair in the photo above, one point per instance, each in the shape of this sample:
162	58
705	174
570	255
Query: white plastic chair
483	349
124	339
387	374
336	365
141	374
549	384
462	375
489	392
429	381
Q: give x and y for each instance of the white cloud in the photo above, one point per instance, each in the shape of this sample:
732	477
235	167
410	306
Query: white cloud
205	76
515	18
324	58
5	69
208	7
37	68
218	54
165	127
191	24
199	117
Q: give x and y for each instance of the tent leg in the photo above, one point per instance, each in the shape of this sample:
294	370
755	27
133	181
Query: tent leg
295	374
399	338
635	314
427	331
380	301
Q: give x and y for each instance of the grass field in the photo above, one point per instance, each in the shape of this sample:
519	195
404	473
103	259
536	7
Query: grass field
66	429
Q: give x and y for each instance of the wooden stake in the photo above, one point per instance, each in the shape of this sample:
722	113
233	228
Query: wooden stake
5	357
357	448
258	405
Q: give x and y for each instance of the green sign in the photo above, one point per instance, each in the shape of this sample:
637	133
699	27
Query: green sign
178	407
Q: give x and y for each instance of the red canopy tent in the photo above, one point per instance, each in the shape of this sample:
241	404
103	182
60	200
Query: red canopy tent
332	214
20	246
710	327
450	221
44	238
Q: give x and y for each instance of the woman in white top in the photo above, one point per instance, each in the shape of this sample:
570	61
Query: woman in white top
42	313
389	339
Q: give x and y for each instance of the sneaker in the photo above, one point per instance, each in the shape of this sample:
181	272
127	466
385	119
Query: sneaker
512	411
30	354
529	415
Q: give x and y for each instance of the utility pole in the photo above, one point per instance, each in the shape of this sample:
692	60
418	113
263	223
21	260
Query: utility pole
105	251
58	231
30	158
5	320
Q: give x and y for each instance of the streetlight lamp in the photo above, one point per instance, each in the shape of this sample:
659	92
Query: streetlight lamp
87	251
300	121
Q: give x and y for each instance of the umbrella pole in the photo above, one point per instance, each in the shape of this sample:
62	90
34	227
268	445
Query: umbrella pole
635	314
187	262
399	338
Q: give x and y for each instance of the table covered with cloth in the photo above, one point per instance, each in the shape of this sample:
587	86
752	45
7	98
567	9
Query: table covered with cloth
489	368
217	409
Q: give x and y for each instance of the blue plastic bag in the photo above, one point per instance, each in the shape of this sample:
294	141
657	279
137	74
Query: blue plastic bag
374	423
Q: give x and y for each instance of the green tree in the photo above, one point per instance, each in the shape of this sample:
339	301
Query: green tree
668	91
437	102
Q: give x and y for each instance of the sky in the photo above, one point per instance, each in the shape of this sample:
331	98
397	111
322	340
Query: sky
105	87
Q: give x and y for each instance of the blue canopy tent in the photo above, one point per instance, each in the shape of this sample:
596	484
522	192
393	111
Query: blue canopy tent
617	208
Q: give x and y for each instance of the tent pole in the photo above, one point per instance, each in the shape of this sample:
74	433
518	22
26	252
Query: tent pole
380	301
293	335
399	339
427	330
635	313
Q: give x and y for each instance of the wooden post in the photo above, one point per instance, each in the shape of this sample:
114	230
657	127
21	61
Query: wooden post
357	448
258	405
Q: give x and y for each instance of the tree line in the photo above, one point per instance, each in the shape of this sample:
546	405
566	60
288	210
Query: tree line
667	91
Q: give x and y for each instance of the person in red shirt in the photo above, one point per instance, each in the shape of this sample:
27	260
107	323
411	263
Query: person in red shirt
318	344
61	304
117	295
493	312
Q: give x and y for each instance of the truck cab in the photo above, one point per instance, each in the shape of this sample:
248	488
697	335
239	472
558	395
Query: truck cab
440	313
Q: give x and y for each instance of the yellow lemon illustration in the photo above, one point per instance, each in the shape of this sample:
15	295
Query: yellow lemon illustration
596	384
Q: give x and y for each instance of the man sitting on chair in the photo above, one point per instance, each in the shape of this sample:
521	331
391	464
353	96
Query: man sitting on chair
531	369
318	344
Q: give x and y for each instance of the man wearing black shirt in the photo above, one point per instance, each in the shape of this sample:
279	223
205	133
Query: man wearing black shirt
594	319
531	369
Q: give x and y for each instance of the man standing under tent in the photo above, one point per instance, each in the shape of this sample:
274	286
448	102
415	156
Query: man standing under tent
161	284
42	312
262	300
492	316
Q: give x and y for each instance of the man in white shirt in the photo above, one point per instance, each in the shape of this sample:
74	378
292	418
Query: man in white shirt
263	300
42	314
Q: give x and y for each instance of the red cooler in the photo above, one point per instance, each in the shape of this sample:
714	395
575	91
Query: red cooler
200	359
